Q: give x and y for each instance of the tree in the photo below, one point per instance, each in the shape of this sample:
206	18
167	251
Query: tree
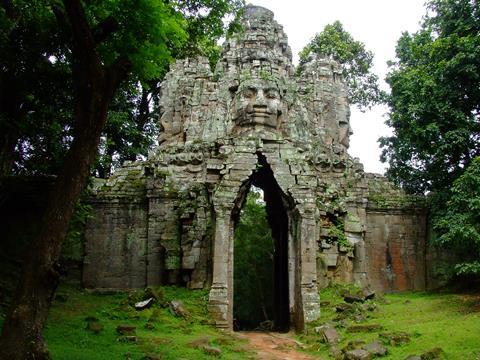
435	99
34	91
110	42
434	113
356	61
459	226
253	265
130	129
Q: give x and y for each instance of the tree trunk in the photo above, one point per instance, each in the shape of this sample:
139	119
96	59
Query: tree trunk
95	85
8	141
12	115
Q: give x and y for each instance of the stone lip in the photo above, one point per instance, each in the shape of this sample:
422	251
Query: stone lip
254	11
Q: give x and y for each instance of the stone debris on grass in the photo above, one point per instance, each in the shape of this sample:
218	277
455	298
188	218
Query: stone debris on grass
359	318
145	304
95	327
93	324
353	298
357	354
329	335
212	350
395	338
151	357
340	308
203	343
335	353
368	293
127	339
177	308
128	330
433	354
353	344
364	328
376	348
199	342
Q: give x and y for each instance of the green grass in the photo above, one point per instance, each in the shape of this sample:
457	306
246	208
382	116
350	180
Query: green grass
445	320
67	337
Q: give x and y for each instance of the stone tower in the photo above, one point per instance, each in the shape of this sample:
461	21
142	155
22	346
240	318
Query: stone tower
254	121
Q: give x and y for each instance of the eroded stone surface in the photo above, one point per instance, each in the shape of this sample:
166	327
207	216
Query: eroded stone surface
170	219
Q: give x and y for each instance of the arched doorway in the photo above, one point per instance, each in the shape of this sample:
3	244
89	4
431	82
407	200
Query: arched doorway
291	213
261	271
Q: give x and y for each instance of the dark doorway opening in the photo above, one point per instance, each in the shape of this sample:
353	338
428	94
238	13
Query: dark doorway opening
261	295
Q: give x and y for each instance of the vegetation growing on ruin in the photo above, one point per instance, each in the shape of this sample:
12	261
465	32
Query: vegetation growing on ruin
431	320
336	43
253	265
82	325
434	113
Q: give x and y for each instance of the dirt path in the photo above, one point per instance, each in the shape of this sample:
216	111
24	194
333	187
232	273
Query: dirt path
274	346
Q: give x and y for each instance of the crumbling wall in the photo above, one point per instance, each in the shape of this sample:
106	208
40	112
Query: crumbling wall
117	239
395	238
180	203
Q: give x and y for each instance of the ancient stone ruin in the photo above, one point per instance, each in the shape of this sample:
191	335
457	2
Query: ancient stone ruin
254	121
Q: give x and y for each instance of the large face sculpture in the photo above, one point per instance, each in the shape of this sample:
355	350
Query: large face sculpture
257	102
345	130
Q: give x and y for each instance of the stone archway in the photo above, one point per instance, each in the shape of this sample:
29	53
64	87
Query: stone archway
279	208
293	229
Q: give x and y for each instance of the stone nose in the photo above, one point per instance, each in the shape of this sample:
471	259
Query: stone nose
260	99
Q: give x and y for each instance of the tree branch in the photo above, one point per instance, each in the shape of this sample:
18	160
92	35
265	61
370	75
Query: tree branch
105	29
84	46
116	73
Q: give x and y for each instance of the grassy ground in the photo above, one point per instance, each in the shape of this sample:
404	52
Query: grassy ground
445	320
160	334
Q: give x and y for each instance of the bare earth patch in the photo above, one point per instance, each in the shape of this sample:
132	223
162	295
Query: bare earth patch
274	346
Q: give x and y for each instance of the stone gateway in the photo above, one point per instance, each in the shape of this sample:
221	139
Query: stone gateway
255	120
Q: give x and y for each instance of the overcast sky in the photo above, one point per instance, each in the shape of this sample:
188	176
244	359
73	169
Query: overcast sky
376	23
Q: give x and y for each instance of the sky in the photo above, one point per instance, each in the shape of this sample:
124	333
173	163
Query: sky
376	23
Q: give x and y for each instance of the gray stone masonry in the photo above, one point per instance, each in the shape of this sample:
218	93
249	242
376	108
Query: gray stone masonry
170	219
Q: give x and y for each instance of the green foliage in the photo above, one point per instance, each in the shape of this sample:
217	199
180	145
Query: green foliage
160	334
35	52
337	232
356	61
73	245
434	113
206	23
253	265
35	115
449	321
435	99
459	225
131	126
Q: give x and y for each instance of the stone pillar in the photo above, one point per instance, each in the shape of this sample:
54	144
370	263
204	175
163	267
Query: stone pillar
220	304
308	302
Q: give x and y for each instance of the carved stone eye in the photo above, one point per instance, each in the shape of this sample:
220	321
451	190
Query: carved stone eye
272	94
249	92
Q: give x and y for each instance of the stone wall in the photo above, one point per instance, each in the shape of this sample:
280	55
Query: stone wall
395	250
170	219
116	246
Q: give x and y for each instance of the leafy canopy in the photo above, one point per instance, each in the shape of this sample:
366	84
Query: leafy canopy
253	265
459	226
335	42
434	113
435	99
36	61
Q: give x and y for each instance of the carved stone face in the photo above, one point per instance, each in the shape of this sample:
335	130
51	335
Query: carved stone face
257	103
344	133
